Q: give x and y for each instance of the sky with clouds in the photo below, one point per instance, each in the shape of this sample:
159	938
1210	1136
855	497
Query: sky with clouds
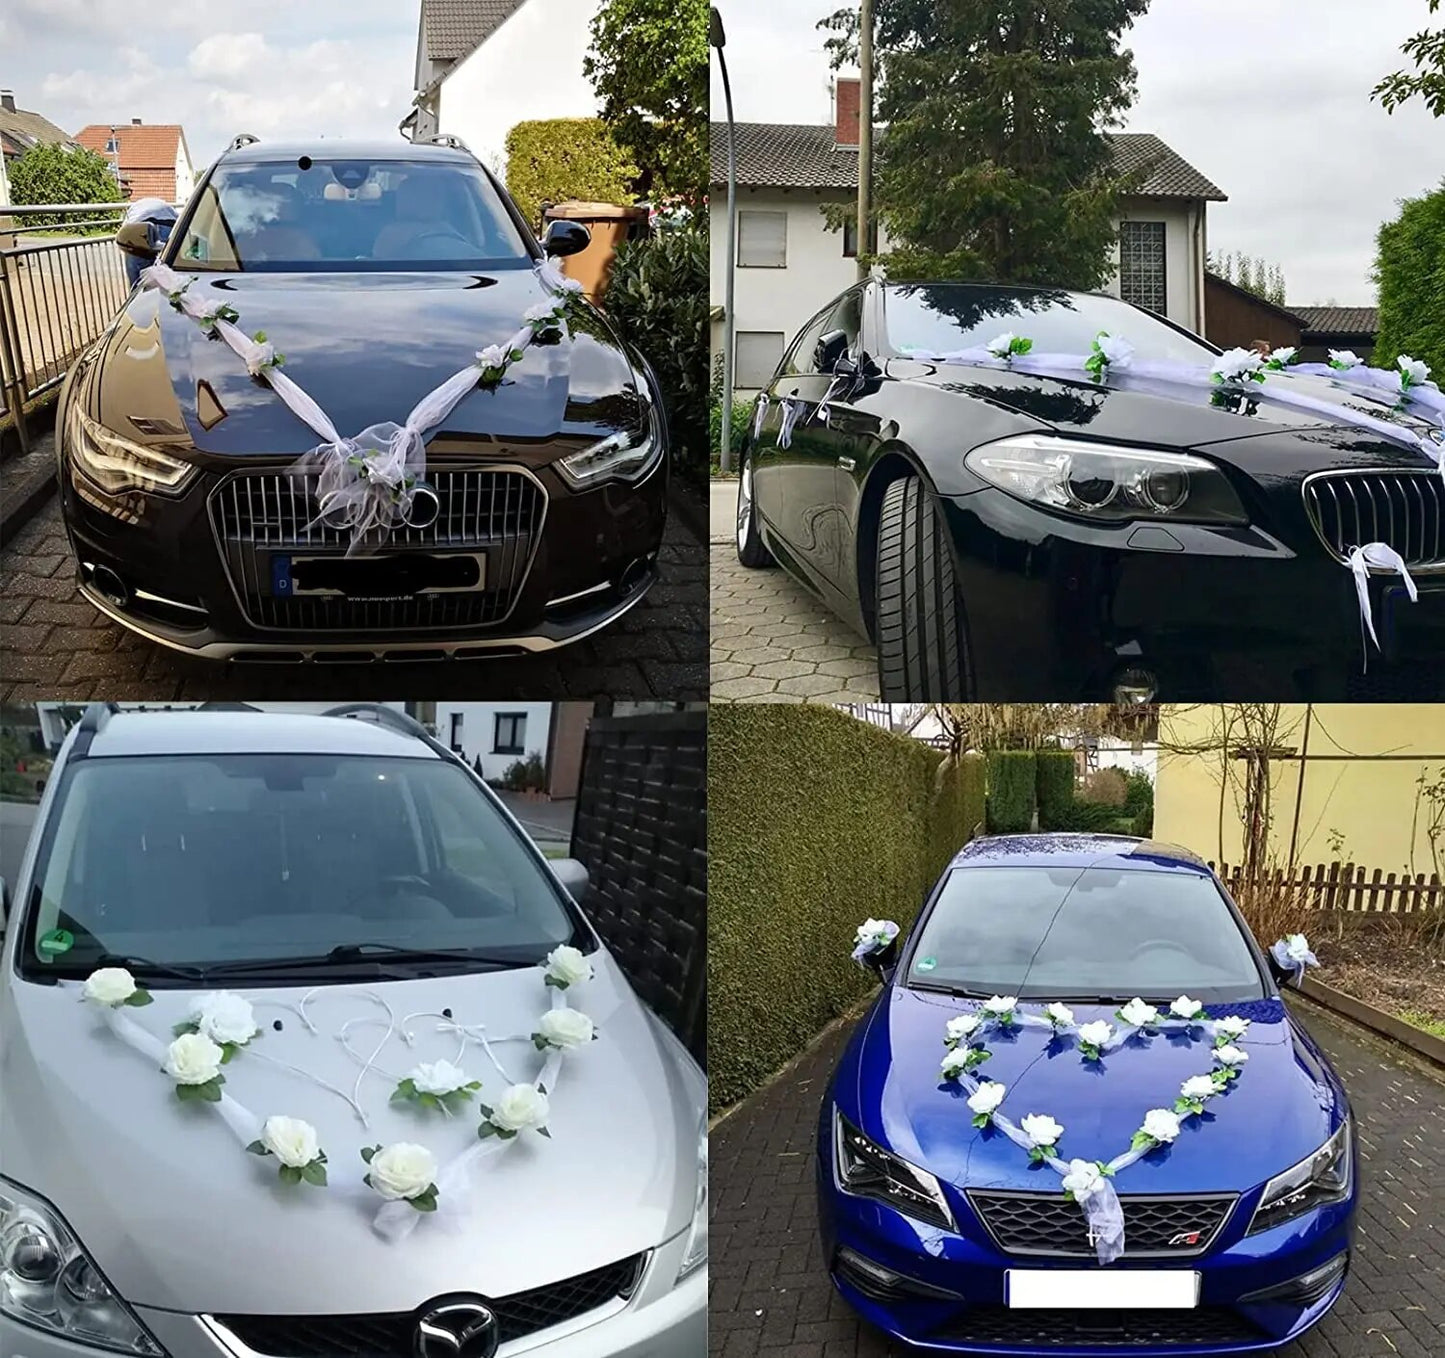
1273	107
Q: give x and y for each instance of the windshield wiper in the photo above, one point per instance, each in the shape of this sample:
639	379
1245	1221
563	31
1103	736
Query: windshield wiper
344	953
144	964
943	988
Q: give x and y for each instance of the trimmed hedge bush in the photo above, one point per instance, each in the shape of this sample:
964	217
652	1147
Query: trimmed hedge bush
1410	271
1055	783
556	159
1011	791
816	822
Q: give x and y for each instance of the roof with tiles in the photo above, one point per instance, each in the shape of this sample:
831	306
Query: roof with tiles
455	28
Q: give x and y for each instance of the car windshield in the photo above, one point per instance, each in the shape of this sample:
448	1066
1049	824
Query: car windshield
942	317
349	215
206	860
1090	933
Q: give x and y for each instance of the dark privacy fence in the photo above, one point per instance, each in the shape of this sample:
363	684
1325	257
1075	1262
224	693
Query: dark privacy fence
641	829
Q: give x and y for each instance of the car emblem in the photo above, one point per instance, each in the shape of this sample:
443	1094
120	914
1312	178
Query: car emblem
456	1327
1186	1238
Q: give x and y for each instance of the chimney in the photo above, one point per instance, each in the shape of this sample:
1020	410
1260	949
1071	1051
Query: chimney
135	122
7	100
845	110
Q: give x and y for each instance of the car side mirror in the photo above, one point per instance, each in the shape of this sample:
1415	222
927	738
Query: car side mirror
831	347
1282	975
883	964
135	239
572	873
566	238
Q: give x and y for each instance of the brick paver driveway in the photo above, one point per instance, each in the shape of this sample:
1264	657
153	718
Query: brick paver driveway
54	645
772	641
771	1297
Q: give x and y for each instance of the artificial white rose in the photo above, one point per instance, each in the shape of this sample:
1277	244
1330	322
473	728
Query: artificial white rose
1040	1129
1060	1015
224	1017
1118	351
493	356
1284	357
1001	1004
986	1097
1198	1087
1415	369
1232	1025
437	1077
1185	1008
1234	364
1161	1124
402	1170
566	966
520	1107
954	1062
1096	1033
1230	1055
541	311
564	1028
292	1141
1000	345
1345	358
1083	1180
1297	948
1138	1014
193	1059
962	1027
110	986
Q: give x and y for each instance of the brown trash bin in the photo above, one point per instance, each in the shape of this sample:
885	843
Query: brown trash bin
610	225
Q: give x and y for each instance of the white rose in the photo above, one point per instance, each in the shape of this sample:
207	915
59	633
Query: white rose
1096	1033
999	345
1417	370
1061	1014
520	1107
1232	1026
986	1097
437	1077
962	1027
1001	1004
541	311
1118	351
1198	1087
1040	1129
954	1062
1297	948
402	1170
1138	1014
224	1017
1185	1008
1083	1179
1345	358
1161	1124
1283	356
193	1059
1236	363
110	986
493	356
291	1141
566	966
1230	1055
565	1028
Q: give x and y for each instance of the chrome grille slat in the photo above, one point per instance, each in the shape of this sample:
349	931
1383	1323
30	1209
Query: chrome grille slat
1402	509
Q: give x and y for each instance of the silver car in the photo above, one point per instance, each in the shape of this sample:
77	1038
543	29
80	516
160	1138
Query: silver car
326	933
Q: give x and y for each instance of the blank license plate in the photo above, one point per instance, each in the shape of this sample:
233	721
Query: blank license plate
402	576
1100	1289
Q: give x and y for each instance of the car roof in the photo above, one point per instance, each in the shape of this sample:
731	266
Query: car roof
341	148
1067	850
199	732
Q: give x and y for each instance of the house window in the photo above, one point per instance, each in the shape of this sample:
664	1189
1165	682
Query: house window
1141	265
850	238
112	146
456	737
762	240
756	358
509	735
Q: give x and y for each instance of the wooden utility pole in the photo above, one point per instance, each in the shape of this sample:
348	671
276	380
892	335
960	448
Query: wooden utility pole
865	130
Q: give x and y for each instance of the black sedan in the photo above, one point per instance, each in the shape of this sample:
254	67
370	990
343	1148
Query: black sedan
378	272
1004	535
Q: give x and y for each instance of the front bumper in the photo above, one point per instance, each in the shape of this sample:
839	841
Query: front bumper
1055	608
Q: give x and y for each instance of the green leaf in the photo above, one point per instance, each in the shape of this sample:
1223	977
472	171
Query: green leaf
258	1148
228	1050
980	1119
289	1174
137	998
474	1086
542	1131
368	1151
486	1112
1141	1139
185	1093
314	1173
486	1130
539	1042
211	1090
505	1134
553	982
425	1202
428	1100
180	1029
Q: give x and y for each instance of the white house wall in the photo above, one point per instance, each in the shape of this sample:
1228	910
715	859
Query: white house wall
530	68
185	172
1182	257
478	730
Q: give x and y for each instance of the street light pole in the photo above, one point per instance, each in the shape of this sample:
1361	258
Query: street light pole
718	40
865	130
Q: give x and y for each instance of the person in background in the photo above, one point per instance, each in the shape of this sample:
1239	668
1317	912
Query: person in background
160	218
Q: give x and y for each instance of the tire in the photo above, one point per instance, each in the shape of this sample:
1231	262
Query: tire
921	647
748	541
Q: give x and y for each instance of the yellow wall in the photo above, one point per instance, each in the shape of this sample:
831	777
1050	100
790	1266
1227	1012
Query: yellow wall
1373	803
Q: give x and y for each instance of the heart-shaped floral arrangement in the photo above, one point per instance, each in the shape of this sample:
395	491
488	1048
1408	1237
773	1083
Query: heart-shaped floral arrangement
1087	1182
221	1027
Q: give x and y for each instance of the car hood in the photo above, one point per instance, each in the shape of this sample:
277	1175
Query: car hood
91	1125
1135	410
1282	1107
366	347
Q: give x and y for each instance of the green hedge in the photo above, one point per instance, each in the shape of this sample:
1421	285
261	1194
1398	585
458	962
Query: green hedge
1055	783
556	159
816	822
1410	271
1011	791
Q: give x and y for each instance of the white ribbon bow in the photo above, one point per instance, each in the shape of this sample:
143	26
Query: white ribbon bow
1381	557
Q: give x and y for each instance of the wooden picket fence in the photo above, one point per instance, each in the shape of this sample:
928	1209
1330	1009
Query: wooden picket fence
1349	887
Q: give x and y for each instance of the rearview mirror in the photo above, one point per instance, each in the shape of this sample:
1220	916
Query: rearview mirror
572	873
135	239
565	238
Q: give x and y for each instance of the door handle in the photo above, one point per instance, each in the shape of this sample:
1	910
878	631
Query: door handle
847	463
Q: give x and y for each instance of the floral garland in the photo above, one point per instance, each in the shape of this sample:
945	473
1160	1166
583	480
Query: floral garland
220	1027
1087	1182
374	482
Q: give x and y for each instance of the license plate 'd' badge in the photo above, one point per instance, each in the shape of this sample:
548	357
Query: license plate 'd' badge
1077	1289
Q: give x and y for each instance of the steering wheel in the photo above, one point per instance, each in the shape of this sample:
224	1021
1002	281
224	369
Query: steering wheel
441	231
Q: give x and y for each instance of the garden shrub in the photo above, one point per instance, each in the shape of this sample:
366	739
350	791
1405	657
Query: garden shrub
1011	791
1096	818
1410	272
556	159
1106	785
1055	783
49	173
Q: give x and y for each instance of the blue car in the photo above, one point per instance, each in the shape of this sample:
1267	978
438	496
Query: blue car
953	1236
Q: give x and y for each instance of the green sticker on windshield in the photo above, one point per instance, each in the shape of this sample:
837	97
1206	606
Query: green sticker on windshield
926	963
57	941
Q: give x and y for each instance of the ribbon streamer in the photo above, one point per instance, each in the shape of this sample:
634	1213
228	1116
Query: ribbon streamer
1381	557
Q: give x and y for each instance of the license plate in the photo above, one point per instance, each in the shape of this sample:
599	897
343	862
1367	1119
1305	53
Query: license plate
1076	1289
403	576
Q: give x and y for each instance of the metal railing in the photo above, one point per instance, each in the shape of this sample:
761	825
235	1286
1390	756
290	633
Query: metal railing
57	294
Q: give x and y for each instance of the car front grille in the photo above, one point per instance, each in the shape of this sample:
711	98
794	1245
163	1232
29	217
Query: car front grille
393	1335
1050	1224
1103	1329
497	513
1403	509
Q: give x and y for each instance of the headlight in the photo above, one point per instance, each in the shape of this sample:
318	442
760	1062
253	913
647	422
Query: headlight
625	456
695	1252
49	1283
1322	1178
1105	483
116	464
871	1172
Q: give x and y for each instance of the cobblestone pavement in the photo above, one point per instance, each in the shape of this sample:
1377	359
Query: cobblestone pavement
772	641
54	645
771	1296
